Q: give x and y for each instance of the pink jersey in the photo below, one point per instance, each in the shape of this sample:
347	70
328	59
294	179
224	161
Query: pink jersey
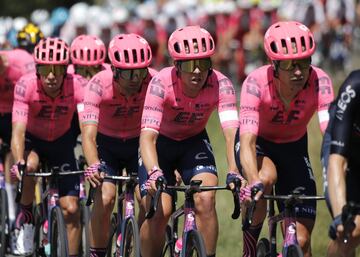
45	117
19	62
113	113
263	113
168	111
71	68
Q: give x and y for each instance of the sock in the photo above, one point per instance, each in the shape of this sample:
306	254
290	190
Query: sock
250	237
25	216
97	252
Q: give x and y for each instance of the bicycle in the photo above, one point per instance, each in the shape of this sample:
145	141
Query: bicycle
267	247
348	214
124	239
50	231
193	243
84	212
4	213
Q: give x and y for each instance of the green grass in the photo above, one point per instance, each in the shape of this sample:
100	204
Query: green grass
230	236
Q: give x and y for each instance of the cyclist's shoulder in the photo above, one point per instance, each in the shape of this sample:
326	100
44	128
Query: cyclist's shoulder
263	74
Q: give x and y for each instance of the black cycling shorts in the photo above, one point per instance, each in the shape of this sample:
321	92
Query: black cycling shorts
293	168
189	157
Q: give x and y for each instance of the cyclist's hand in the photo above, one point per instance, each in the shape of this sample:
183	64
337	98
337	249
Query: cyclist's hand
95	174
14	171
232	176
336	228
150	183
252	192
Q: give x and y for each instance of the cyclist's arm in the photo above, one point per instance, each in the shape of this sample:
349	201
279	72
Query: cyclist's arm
229	134
88	136
337	183
148	148
325	97
248	156
18	140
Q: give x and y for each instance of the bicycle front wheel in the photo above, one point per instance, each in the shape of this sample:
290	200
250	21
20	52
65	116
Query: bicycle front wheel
168	250
194	245
263	248
293	251
130	241
4	221
85	240
59	242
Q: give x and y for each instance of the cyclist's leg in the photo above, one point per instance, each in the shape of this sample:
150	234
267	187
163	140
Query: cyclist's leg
100	217
206	216
115	153
61	153
268	176
295	174
24	228
198	163
152	232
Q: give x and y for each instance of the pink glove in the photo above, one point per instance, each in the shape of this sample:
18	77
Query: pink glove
153	176
14	172
92	169
245	193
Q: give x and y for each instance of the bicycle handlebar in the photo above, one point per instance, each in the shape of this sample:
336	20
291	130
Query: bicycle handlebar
349	211
53	172
291	199
194	187
92	190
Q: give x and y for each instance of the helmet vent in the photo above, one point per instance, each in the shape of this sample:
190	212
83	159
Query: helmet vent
186	45
134	54
126	56
142	55
117	56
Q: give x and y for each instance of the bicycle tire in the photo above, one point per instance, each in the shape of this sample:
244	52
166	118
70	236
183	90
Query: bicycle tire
263	248
39	250
293	251
130	240
194	244
4	221
168	250
59	241
111	247
85	240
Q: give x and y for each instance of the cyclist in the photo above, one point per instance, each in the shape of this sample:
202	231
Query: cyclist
44	104
28	37
276	104
13	64
340	156
111	118
87	54
178	104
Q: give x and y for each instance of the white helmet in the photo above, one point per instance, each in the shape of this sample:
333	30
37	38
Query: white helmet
104	20
19	23
39	16
79	14
147	11
120	15
47	28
